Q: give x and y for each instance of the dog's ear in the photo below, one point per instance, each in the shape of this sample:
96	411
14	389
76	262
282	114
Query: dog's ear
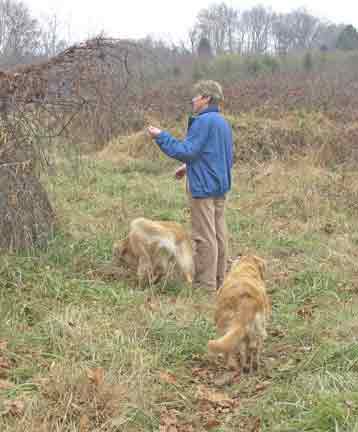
261	264
120	249
125	245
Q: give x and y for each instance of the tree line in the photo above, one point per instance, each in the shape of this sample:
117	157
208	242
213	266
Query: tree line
217	29
24	38
223	29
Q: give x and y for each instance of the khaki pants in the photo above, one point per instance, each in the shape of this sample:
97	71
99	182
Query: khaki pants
209	241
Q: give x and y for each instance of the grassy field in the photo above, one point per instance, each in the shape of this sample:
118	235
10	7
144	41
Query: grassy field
82	348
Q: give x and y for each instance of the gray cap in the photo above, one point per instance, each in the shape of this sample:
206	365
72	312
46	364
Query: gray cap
209	88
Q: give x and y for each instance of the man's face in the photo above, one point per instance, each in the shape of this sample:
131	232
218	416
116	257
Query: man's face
199	103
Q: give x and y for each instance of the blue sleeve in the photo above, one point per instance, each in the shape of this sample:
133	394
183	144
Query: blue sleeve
189	148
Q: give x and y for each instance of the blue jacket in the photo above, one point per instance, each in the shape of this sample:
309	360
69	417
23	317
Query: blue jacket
207	152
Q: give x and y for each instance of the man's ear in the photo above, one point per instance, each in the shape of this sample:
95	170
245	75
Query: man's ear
209	99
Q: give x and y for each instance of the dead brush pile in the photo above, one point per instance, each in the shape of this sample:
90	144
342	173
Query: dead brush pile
298	133
334	92
70	96
26	215
257	138
127	149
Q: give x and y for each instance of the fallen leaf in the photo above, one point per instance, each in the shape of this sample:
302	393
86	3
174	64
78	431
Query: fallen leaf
256	426
14	407
211	424
168	428
5	385
3	345
167	377
4	366
216	398
84	423
202	373
277	333
262	386
305	312
96	375
4	363
168	421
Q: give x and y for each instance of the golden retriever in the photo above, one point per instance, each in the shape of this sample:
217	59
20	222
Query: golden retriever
152	246
242	310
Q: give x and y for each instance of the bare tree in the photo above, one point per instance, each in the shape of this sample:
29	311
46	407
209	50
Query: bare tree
348	38
19	33
218	24
194	37
282	33
204	48
258	30
295	31
230	20
91	92
327	36
240	36
257	24
52	41
306	28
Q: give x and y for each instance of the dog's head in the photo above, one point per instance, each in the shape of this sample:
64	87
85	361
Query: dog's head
261	265
122	253
257	262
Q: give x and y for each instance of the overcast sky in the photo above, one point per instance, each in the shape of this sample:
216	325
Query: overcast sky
166	18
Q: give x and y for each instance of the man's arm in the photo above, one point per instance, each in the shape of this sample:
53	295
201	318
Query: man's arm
187	149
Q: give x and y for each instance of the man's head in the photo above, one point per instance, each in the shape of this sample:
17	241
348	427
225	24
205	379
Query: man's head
206	93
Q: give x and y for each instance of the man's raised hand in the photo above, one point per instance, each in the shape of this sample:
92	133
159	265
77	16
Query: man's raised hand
153	131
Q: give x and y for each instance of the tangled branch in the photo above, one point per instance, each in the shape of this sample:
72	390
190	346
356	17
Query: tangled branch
89	88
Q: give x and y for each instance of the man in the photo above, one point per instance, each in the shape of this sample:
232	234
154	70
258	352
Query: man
207	153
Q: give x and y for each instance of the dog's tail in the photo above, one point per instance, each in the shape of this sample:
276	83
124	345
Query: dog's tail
230	341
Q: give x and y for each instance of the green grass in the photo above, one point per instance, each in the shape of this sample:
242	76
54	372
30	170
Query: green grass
60	316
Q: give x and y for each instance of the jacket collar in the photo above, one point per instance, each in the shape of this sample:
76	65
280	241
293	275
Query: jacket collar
210	108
